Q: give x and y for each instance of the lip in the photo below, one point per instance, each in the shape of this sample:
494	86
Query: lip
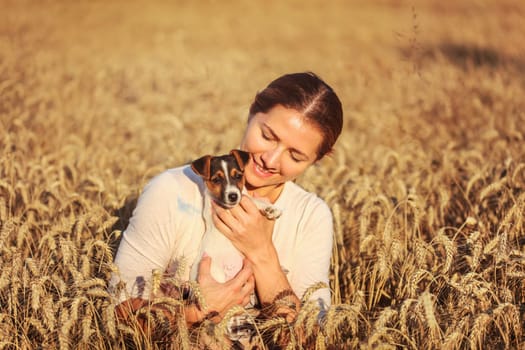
259	171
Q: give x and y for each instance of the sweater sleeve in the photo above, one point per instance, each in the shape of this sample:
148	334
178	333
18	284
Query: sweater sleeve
313	252
147	242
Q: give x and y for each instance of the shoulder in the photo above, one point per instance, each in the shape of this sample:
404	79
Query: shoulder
296	196
305	208
174	178
173	183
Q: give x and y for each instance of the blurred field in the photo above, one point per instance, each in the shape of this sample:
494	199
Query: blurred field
427	184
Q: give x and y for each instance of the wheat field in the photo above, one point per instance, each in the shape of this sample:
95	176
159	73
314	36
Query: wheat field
426	184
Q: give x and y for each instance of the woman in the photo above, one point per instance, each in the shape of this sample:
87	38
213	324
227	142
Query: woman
292	123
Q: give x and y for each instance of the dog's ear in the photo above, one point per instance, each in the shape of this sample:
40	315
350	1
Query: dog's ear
201	166
241	157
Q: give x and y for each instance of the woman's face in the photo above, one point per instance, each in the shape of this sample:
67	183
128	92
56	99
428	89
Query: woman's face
282	144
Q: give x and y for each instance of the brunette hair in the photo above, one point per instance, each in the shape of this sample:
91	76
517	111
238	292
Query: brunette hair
309	95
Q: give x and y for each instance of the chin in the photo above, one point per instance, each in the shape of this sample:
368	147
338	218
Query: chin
256	182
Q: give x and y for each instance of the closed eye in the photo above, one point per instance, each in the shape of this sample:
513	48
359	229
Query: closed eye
295	158
267	136
267	133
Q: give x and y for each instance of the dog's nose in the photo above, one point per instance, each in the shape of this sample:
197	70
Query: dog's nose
232	197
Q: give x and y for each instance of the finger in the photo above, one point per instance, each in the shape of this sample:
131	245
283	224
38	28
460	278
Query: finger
222	226
246	300
217	209
204	268
239	214
227	223
251	282
224	215
235	211
221	212
248	205
248	287
247	263
242	276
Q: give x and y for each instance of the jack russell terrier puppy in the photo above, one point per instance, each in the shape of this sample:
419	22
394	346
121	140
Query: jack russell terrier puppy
224	183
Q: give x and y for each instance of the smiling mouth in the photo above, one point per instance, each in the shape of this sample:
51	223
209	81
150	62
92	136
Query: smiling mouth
260	171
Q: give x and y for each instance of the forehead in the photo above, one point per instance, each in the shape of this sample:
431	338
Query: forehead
218	163
292	128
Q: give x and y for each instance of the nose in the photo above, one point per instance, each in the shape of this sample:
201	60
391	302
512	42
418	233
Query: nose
270	158
232	197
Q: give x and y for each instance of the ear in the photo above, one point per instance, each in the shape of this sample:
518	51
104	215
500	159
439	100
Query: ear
201	166
241	157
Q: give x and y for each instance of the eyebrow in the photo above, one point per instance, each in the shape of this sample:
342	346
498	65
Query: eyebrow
270	130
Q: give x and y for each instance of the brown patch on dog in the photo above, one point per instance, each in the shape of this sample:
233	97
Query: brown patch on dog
216	184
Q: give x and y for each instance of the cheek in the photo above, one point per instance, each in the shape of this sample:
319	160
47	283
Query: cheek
250	145
252	142
291	169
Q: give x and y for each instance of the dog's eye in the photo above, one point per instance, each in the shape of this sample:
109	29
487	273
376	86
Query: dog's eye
237	176
216	180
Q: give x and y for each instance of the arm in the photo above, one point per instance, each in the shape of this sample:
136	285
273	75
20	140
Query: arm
313	252
148	243
251	233
218	299
273	288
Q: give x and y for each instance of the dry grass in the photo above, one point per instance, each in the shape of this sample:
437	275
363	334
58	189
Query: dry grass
427	184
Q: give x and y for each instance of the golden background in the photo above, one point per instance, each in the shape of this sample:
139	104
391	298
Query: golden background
426	183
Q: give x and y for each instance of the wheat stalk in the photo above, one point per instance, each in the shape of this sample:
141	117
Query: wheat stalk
436	336
450	249
479	329
507	319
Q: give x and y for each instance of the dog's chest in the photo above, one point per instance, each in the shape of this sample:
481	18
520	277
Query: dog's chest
226	260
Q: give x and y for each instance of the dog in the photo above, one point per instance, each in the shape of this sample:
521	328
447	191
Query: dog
223	178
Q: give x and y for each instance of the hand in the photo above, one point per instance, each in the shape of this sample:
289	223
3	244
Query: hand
244	225
221	297
251	233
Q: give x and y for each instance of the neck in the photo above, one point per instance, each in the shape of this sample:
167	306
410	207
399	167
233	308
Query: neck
271	193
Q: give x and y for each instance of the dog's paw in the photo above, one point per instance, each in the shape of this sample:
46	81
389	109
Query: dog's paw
272	213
